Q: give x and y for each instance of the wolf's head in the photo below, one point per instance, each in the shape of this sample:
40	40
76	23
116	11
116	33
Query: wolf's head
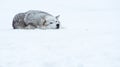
51	22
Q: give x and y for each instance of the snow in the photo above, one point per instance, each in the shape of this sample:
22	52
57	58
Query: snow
89	37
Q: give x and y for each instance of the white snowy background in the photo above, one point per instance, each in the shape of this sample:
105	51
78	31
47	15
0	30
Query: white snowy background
89	37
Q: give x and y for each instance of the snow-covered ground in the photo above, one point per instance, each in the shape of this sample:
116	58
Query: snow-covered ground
89	37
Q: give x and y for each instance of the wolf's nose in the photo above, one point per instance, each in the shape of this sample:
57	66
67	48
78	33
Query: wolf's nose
58	26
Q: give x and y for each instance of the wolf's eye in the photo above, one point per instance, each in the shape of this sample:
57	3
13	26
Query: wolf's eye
51	22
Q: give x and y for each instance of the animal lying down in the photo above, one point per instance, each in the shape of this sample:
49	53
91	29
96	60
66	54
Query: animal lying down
33	19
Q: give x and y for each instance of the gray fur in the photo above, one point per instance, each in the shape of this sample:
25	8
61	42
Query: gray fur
35	19
18	21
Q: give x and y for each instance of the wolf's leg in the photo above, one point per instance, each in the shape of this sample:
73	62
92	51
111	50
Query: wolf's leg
30	26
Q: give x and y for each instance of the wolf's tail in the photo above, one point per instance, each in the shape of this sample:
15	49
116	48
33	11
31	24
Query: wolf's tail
13	24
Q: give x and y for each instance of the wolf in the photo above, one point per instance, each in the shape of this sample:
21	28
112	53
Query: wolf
33	19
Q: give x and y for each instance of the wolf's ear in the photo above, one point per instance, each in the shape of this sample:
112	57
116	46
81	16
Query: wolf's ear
44	21
57	16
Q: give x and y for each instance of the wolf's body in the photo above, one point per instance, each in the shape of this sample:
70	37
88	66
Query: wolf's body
35	19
